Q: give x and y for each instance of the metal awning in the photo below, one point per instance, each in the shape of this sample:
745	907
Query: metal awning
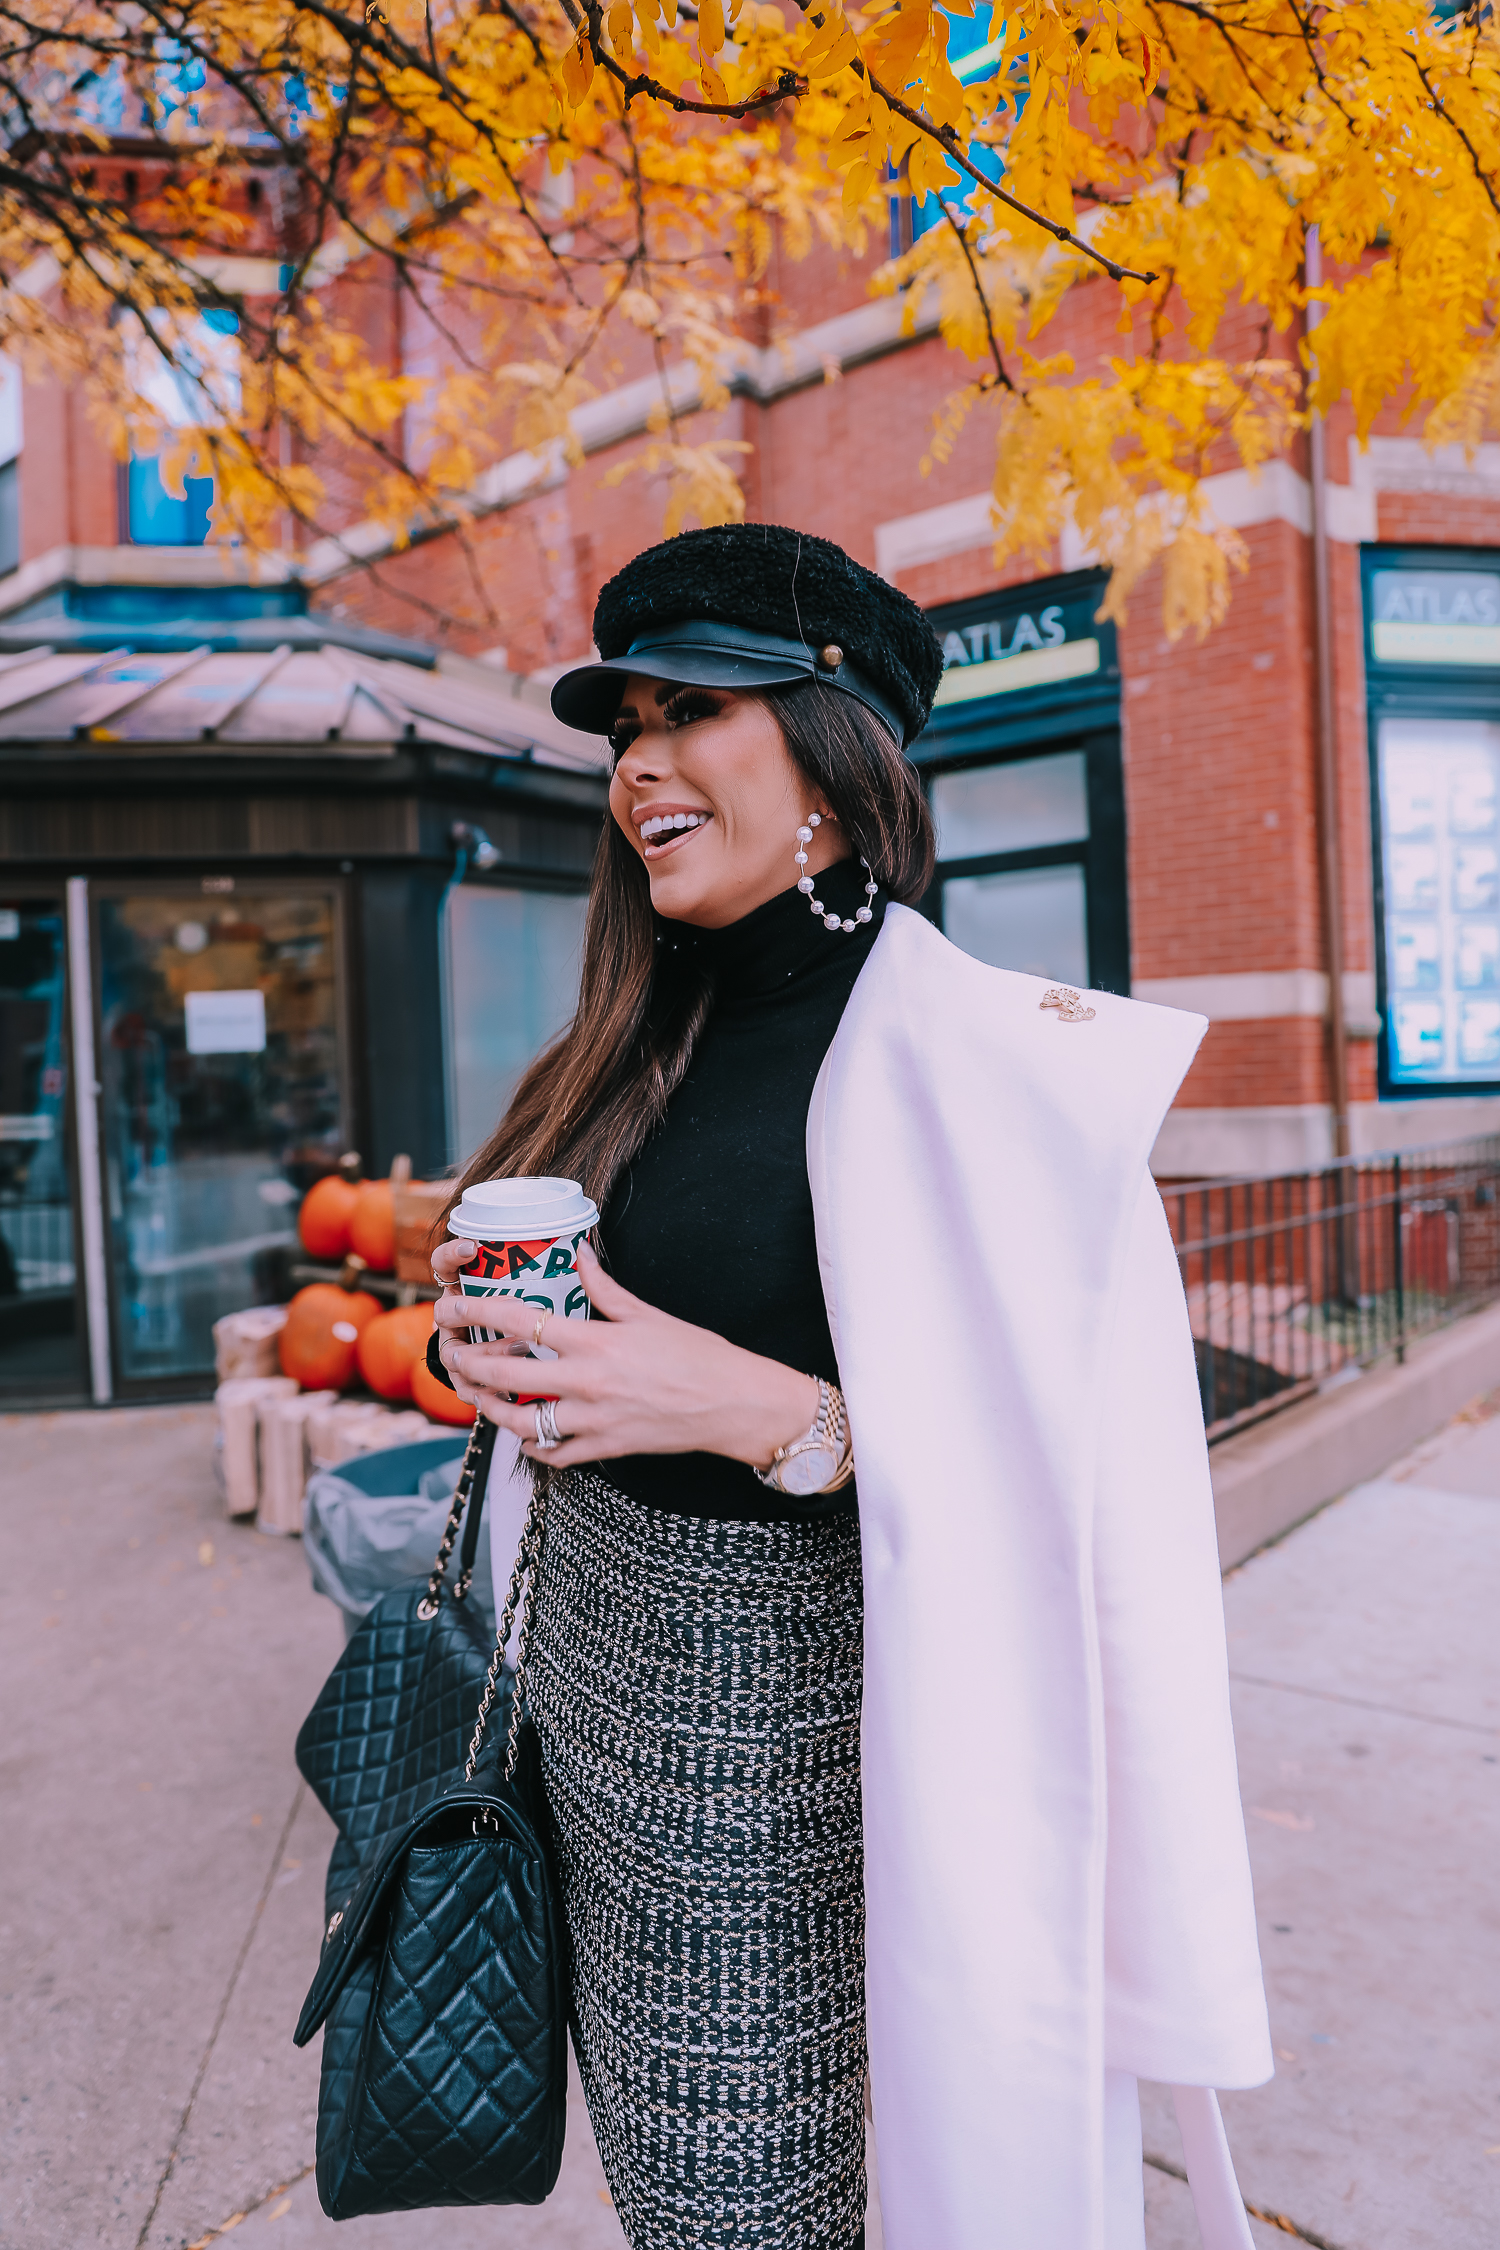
280	699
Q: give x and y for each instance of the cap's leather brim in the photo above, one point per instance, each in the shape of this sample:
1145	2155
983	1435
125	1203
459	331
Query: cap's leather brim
589	698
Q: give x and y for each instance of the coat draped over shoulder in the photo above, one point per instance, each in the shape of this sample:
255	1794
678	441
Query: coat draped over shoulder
1058	1889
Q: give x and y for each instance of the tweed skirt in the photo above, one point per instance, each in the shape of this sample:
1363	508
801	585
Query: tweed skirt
696	1690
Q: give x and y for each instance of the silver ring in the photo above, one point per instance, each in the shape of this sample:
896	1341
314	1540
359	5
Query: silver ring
547	1432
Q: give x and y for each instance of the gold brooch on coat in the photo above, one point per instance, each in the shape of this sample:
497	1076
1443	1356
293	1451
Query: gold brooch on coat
1068	1003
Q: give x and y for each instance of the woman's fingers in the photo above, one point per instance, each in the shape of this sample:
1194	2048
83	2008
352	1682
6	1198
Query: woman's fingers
449	1258
521	1422
514	1317
502	1368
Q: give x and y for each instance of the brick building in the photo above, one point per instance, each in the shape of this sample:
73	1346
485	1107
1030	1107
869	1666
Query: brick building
1142	813
1112	808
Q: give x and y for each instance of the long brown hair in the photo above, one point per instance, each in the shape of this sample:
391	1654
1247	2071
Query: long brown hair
593	1098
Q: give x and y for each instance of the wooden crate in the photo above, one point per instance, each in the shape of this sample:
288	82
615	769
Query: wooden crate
420	1205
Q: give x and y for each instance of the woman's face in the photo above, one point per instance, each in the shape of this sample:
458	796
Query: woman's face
706	791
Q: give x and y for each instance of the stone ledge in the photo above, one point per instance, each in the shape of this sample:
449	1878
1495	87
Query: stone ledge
1283	1470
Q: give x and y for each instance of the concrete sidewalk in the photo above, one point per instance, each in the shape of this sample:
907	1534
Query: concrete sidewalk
162	1902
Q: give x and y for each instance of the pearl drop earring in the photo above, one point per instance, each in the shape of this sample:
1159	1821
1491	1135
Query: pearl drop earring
807	887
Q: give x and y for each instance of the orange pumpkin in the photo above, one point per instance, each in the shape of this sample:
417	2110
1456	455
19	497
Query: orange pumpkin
388	1347
323	1221
320	1341
372	1225
437	1402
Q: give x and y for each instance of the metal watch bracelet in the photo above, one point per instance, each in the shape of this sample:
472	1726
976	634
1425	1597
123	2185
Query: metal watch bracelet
828	1434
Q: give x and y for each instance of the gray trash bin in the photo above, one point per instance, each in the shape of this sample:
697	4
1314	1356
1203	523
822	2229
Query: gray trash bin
375	1522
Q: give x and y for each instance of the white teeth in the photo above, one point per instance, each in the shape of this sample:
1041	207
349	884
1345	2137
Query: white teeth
662	824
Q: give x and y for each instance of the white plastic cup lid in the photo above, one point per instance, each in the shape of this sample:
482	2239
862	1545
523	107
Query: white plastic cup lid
522	1210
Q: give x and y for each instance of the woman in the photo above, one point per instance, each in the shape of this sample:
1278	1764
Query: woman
836	1159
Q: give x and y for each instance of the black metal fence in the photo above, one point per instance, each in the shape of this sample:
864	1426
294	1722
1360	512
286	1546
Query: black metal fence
1295	1279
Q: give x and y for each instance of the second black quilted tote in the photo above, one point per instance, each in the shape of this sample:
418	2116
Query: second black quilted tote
442	1989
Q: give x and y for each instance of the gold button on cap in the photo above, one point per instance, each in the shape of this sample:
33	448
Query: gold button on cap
832	656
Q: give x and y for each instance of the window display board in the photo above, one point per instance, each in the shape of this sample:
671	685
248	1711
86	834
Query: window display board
1433	656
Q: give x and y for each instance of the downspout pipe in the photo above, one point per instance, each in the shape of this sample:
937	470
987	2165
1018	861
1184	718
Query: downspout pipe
1330	858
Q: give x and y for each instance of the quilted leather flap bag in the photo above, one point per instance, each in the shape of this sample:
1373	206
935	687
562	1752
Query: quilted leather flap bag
388	1729
441	1990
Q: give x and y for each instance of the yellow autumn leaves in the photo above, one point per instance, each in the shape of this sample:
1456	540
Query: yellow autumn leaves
649	34
485	166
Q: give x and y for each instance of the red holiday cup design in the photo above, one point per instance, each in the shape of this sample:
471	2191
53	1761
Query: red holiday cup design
533	1266
544	1274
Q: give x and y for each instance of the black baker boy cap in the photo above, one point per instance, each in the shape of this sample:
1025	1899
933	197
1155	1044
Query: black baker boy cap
749	605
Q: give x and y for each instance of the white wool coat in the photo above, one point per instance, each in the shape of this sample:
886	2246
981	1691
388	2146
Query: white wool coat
1058	1889
1057	1885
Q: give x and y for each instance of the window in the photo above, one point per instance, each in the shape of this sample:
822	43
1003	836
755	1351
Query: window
1440	802
511	963
10	465
223	1100
1012	844
201	391
1022	763
1432	658
156	517
973	55
40	1324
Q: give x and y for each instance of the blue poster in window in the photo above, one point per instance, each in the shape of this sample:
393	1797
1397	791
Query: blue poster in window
1440	824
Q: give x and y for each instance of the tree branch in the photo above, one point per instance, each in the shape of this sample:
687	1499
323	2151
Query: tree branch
1450	120
947	139
984	304
787	86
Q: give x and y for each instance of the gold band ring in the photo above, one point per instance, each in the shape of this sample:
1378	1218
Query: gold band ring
536	1333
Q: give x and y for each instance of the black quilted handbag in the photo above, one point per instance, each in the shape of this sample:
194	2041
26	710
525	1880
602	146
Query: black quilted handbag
389	1727
442	1986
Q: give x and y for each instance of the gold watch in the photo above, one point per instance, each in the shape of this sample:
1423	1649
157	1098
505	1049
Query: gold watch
822	1459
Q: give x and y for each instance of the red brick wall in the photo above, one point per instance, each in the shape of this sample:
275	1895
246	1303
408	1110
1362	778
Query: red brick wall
1219	734
69	478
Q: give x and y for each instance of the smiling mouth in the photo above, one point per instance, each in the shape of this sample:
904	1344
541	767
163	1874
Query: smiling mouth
664	832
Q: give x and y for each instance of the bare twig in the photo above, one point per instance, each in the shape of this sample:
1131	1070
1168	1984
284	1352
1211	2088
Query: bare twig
1001	376
1452	122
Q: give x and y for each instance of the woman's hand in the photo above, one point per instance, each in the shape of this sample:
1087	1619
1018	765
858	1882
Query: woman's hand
635	1381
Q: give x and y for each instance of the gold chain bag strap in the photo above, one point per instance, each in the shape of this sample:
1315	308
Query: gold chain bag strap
442	1982
389	1728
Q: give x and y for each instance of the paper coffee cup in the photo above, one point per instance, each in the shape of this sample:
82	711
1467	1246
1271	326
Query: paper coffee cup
528	1232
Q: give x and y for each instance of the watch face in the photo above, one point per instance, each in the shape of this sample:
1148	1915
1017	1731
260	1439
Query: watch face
808	1472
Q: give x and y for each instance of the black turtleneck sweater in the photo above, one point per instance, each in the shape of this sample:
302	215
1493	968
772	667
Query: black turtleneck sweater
713	1221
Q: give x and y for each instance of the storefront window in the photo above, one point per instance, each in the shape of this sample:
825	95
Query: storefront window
39	1312
1022	764
1433	659
511	967
1011	808
10	464
1440	793
1034	921
220	1059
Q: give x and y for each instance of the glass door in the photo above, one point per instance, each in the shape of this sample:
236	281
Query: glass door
41	1320
221	1061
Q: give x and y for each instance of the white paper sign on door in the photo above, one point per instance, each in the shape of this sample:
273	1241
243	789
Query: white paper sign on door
226	1023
